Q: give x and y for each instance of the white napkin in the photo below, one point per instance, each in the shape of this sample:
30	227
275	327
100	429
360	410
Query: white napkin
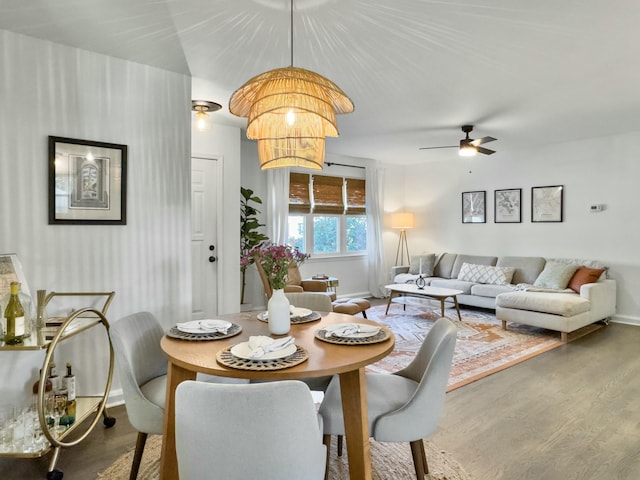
349	329
260	345
205	326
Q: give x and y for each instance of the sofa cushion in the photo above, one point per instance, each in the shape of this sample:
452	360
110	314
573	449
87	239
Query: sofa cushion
422	264
444	265
527	269
485	274
584	275
565	304
492	291
408	278
555	275
453	283
475	259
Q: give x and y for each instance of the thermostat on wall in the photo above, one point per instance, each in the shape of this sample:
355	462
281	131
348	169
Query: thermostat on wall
597	208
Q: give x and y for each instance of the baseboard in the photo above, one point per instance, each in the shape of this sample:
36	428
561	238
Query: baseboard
626	319
115	398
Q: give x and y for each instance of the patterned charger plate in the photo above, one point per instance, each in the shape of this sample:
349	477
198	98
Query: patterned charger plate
381	336
226	358
234	330
312	317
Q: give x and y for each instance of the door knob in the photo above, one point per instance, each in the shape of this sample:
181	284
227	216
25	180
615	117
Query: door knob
212	248
212	259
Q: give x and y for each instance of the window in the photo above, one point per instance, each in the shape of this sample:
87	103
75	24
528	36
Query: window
327	215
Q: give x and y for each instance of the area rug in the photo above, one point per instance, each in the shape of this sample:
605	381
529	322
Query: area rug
390	461
482	347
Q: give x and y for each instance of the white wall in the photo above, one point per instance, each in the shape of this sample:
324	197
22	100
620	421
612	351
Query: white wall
48	89
594	171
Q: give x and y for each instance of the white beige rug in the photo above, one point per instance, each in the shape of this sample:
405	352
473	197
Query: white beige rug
391	461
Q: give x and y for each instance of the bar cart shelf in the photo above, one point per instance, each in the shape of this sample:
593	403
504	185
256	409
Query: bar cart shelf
89	409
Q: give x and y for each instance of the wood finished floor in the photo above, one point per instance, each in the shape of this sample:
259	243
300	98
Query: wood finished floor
571	413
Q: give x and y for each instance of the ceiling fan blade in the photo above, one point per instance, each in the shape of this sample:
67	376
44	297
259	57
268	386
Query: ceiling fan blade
480	141
486	151
432	148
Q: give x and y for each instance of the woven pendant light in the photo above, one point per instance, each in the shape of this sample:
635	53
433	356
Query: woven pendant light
290	110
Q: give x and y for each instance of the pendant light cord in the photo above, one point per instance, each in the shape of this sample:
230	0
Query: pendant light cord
291	33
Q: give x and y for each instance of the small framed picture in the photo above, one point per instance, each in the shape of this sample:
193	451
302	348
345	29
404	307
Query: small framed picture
473	207
546	203
87	182
507	205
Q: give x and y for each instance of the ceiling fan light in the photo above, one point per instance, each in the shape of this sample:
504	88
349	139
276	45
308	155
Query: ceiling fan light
467	151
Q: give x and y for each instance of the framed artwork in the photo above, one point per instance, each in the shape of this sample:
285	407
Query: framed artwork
507	205
473	207
546	203
87	182
11	271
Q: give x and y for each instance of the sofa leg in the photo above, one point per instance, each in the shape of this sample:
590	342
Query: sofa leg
564	337
504	324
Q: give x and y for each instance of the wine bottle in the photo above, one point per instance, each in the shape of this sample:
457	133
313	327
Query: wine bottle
14	315
69	384
56	381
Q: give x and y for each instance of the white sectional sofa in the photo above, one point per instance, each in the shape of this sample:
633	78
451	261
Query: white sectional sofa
557	294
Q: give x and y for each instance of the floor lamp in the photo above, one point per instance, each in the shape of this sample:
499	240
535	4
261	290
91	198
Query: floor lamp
402	221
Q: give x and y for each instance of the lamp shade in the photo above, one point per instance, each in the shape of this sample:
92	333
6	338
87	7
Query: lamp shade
402	220
306	152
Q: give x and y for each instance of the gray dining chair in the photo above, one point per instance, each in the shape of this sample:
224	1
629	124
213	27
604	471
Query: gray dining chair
404	406
269	431
142	370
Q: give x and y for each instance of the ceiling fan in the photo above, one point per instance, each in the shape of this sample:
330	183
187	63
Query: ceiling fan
468	146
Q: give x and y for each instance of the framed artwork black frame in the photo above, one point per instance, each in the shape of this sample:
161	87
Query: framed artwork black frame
547	203
474	207
87	182
507	205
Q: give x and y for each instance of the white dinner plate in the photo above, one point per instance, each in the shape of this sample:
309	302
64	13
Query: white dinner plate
203	326
295	312
371	330
242	350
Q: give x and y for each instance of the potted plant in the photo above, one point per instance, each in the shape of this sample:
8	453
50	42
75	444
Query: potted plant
250	237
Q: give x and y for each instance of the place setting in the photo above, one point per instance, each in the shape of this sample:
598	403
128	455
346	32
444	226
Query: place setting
296	315
261	352
208	329
352	334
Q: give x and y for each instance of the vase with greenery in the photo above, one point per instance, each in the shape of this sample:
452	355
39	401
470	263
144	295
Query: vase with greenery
250	236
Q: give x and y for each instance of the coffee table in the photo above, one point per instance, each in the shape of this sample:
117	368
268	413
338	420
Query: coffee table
436	293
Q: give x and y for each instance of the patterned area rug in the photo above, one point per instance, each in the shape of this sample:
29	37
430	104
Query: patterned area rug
390	461
482	347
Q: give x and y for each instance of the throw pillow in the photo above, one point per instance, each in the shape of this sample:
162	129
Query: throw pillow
555	275
422	264
584	275
470	272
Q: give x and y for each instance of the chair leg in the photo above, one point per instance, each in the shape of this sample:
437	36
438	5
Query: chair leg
326	440
137	455
364	313
417	454
425	465
340	438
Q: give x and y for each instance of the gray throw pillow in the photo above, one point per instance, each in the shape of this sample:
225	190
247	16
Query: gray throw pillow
422	264
555	275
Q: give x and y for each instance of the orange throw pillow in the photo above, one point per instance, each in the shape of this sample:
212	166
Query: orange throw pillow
584	275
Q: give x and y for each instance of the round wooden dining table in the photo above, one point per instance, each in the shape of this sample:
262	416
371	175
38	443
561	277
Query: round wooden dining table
187	358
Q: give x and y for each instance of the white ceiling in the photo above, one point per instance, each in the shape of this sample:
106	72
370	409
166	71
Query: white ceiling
526	72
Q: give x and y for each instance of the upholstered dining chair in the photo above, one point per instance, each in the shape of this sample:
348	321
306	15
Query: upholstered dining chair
404	406
267	430
142	369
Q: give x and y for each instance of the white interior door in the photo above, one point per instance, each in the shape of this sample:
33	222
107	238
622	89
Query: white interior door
204	238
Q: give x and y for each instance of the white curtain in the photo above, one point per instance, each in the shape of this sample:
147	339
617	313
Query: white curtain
277	204
375	193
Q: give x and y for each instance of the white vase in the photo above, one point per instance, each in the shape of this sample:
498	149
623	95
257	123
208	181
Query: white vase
278	313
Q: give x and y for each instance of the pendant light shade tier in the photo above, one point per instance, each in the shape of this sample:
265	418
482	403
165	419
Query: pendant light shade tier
305	152
309	90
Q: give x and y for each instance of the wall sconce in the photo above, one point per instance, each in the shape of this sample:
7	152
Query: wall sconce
402	221
202	107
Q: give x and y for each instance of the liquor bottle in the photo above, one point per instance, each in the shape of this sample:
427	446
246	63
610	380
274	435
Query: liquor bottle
14	315
69	384
47	398
48	386
56	381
